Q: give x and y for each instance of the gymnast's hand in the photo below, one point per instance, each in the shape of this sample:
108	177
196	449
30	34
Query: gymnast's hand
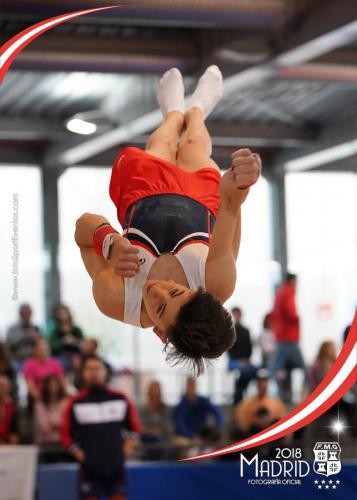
244	172
124	257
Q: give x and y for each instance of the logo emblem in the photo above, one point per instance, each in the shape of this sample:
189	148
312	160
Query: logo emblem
327	458
142	261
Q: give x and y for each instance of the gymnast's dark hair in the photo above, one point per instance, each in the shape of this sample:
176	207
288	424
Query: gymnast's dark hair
203	330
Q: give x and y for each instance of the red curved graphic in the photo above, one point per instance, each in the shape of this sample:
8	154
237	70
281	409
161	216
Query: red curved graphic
342	376
10	50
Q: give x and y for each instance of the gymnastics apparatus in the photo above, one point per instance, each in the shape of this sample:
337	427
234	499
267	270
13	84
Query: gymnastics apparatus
175	263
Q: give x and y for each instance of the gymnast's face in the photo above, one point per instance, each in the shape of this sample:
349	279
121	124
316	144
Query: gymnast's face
163	300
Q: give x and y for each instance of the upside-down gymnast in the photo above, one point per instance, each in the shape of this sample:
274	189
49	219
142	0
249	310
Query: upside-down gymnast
175	263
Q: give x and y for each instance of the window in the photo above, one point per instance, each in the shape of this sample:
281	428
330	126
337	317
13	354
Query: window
322	248
21	215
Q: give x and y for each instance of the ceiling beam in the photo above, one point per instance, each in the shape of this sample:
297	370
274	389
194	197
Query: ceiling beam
299	55
335	149
31	129
319	71
12	154
185	13
223	133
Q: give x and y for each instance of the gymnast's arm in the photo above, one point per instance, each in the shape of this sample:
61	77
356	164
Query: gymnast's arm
108	286
224	247
221	270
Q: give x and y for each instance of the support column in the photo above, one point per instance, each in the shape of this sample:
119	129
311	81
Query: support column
278	207
50	178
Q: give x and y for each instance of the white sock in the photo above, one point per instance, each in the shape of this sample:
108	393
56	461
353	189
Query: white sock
170	92
209	90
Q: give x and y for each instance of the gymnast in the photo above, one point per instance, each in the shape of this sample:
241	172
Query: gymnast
175	263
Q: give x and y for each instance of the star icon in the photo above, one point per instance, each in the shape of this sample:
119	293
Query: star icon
319	486
330	482
334	486
326	487
316	481
337	482
323	481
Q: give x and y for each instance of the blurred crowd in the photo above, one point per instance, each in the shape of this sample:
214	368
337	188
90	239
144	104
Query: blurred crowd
67	383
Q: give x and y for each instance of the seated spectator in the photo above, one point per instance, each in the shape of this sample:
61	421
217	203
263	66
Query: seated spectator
39	367
239	356
8	414
49	411
22	336
7	369
267	341
99	428
155	418
65	338
258	412
196	417
321	366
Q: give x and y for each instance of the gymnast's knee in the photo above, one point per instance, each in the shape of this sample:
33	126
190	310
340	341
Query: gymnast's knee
163	142
194	140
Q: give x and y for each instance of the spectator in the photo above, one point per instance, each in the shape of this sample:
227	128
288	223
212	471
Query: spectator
89	348
22	336
155	418
319	369
267	341
49	411
99	429
7	369
64	336
286	326
40	366
258	412
8	414
239	356
194	414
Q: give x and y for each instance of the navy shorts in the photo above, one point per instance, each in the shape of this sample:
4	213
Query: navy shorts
97	486
167	222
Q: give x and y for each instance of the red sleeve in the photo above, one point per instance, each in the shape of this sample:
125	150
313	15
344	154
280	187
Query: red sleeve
66	426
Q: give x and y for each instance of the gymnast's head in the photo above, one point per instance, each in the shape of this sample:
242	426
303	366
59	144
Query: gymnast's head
192	323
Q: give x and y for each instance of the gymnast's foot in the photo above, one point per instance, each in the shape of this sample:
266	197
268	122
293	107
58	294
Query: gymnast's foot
209	90
170	92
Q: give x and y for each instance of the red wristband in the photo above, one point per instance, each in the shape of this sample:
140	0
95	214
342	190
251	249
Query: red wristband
247	185
99	235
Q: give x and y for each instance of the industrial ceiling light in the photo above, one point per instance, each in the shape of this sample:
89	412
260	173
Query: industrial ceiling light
88	122
328	155
79	126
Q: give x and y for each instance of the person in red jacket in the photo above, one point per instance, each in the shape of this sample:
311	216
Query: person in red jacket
286	326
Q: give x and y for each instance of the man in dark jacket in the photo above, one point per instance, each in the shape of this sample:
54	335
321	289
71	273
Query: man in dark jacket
286	326
239	356
99	427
